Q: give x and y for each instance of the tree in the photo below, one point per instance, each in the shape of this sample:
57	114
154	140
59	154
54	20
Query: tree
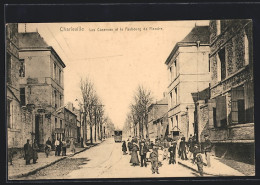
139	108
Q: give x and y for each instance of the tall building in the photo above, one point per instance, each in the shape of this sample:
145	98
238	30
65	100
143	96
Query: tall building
231	105
188	68
41	85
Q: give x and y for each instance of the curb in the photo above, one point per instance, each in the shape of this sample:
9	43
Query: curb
47	165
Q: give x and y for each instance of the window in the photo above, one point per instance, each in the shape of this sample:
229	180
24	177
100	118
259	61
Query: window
171	74
61	100
9	66
209	62
59	76
54	71
246	49
221	64
177	123
22	96
175	69
9	113
22	68
55	98
176	96
238	105
220	112
218	27
60	123
172	121
55	122
171	104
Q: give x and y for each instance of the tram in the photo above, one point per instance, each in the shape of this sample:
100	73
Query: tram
118	136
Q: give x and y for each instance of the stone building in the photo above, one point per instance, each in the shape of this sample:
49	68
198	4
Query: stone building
188	68
231	104
41	84
158	119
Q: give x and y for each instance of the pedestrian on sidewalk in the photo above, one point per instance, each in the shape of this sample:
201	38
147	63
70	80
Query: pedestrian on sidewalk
130	146
72	146
124	149
196	150
183	149
207	149
48	147
165	149
190	146
172	151
35	149
64	147
200	163
27	152
142	152
10	155
134	157
154	160
57	147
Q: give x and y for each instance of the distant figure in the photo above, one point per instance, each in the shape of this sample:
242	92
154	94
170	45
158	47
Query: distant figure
47	147
142	152
10	155
183	149
130	147
172	151
154	160
72	146
124	149
57	147
134	157
35	149
207	149
64	147
165	149
27	152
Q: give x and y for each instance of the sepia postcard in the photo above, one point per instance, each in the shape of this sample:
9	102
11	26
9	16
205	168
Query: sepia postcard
139	99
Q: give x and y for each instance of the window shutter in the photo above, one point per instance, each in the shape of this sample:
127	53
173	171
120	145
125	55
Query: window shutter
249	101
236	94
221	111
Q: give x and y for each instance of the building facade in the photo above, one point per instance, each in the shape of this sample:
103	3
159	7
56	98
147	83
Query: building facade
158	119
41	85
188	69
231	104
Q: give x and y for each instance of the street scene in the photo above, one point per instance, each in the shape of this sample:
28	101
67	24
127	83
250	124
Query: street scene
130	99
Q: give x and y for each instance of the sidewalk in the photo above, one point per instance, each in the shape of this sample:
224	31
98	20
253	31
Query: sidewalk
19	169
217	168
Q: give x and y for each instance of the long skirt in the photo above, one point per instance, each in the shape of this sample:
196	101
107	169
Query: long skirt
134	158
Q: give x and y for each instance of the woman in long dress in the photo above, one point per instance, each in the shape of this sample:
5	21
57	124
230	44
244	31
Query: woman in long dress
72	146
134	157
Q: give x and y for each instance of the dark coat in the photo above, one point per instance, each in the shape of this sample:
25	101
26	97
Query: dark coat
143	149
172	150
134	157
28	153
124	149
182	146
207	146
35	149
130	146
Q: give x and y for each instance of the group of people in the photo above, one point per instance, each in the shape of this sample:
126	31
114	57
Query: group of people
172	149
31	151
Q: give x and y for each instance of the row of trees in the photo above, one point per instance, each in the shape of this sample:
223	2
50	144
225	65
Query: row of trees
139	111
93	111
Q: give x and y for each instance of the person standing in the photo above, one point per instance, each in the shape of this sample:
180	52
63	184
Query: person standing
183	149
27	152
57	147
72	146
47	147
143	150
207	149
165	149
124	149
64	147
130	146
172	151
35	149
134	157
154	160
200	163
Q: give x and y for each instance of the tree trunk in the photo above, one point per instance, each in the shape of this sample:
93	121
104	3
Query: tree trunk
101	133
95	132
146	125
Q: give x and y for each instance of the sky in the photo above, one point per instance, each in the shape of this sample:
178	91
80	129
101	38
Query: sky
116	56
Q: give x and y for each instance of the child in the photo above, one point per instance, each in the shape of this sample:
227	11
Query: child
200	163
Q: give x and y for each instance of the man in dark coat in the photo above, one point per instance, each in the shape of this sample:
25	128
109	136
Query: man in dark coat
130	146
183	149
35	149
124	149
48	147
172	151
207	149
142	152
27	152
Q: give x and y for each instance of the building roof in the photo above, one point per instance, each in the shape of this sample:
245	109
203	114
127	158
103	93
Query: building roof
33	41
198	33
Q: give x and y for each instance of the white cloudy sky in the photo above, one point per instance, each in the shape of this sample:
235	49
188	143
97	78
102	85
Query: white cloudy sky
117	62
